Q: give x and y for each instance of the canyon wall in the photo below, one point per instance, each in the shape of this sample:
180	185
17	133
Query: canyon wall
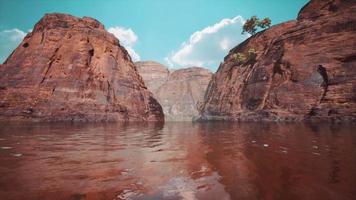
72	69
178	91
301	70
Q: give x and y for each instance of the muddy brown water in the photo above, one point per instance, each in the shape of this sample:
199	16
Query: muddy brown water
177	161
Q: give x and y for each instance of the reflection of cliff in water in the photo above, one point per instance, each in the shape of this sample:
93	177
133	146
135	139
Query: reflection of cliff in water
177	160
289	161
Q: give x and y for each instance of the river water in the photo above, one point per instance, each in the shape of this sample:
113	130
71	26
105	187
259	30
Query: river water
177	161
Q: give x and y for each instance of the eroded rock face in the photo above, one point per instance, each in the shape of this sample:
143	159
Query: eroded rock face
179	92
304	70
153	73
72	69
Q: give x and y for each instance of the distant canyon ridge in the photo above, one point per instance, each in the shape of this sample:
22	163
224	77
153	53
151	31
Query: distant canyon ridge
179	91
72	69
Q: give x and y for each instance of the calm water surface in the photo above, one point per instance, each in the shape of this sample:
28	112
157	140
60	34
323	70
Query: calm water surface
177	161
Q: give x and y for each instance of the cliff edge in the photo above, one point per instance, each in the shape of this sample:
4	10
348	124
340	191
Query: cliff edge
301	70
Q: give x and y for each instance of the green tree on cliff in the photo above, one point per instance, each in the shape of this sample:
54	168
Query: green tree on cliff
250	25
265	23
253	23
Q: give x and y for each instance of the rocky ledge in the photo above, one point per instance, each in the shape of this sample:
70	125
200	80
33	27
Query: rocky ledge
301	70
178	91
72	69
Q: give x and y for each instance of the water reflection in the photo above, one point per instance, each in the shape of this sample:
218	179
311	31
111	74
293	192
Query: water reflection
177	161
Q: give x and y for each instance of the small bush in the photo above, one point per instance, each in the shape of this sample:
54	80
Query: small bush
239	58
252	54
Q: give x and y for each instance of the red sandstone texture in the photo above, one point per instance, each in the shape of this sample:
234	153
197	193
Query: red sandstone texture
72	69
305	70
179	92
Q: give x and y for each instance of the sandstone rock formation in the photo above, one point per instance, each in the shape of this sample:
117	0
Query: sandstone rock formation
72	69
177	91
302	70
153	73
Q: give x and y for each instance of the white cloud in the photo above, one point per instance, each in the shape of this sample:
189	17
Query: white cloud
208	47
9	40
224	44
127	38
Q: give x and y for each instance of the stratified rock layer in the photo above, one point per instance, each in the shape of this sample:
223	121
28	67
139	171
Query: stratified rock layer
72	69
153	73
179	92
304	70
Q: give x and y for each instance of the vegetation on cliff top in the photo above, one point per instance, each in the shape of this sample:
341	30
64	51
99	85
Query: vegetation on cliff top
253	23
241	58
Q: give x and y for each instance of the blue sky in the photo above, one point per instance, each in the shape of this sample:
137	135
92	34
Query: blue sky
174	32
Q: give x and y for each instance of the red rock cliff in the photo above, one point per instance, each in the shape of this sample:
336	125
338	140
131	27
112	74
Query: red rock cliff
304	70
179	92
71	68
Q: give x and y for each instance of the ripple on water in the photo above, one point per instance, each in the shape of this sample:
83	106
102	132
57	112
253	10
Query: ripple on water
5	148
204	164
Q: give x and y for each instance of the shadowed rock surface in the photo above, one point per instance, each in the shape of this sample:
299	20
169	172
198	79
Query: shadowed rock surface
304	70
177	91
72	69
